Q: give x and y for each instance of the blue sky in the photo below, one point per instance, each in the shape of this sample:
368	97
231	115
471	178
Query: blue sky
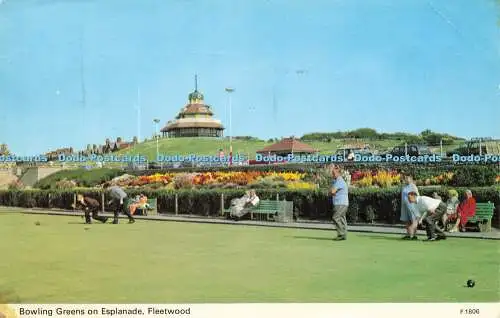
403	65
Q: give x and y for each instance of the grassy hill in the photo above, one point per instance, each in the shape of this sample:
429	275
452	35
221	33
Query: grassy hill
210	146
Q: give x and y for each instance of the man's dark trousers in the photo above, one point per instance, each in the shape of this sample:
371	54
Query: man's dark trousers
430	221
120	207
95	215
92	207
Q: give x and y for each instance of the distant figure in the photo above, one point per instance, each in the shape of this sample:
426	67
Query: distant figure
465	211
432	210
118	197
350	155
89	205
241	206
409	214
339	192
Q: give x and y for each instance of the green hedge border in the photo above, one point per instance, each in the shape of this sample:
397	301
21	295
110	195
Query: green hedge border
368	205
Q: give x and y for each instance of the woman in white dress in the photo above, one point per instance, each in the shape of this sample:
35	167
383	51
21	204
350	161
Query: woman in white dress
409	214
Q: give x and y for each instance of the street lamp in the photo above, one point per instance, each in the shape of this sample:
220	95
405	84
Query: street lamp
229	91
156	121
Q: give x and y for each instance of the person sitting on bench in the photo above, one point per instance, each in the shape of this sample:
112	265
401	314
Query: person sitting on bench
241	206
465	210
141	203
451	208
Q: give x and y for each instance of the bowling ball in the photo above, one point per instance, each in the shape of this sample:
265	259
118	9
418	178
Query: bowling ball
471	283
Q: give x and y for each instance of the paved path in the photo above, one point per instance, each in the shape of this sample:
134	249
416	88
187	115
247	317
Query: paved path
311	225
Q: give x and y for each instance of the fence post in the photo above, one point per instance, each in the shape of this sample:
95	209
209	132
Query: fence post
222	204
102	201
50	198
277	196
74	201
176	204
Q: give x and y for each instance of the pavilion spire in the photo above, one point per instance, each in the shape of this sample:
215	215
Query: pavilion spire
196	82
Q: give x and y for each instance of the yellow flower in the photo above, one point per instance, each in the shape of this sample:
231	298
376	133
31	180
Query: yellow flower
298	185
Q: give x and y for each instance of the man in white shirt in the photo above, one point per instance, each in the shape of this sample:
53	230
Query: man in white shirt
431	210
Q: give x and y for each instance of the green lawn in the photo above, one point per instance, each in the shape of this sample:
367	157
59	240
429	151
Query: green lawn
210	146
66	261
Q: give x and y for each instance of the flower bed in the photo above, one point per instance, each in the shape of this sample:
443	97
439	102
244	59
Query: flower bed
385	178
211	179
366	177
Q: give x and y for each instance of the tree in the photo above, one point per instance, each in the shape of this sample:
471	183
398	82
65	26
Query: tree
433	139
426	132
4	150
364	133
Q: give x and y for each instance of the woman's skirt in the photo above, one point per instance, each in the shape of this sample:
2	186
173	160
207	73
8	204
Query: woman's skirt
408	215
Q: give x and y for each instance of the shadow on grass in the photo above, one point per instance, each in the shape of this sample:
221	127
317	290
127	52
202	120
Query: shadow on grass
80	223
317	238
386	237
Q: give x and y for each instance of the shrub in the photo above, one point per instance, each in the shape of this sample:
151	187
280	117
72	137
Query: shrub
183	181
65	184
16	185
478	176
367	205
84	177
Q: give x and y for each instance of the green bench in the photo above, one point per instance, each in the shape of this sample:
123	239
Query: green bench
152	203
266	208
484	215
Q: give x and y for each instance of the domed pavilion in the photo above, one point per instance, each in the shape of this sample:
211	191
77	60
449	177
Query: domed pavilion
194	120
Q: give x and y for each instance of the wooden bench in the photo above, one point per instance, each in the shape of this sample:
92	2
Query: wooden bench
484	215
267	208
152	203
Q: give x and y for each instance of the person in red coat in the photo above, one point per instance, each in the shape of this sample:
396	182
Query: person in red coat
465	211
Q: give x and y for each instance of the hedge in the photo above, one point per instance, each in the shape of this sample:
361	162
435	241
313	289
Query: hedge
369	205
85	178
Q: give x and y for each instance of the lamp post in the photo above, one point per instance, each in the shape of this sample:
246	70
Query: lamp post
229	91
156	121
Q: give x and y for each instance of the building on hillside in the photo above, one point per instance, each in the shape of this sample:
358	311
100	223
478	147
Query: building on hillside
109	146
119	144
194	120
54	155
288	146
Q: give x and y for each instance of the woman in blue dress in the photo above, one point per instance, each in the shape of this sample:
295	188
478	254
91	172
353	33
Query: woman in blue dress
409	214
